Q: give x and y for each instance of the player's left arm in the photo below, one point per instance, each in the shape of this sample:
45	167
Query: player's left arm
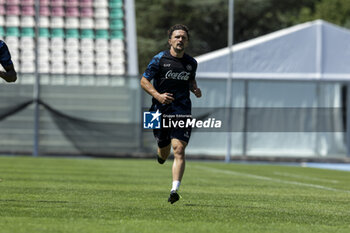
10	74
195	89
192	81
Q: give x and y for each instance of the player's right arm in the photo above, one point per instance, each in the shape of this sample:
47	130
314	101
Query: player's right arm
150	73
164	98
9	75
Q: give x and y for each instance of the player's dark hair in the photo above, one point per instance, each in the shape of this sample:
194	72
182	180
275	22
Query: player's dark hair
178	27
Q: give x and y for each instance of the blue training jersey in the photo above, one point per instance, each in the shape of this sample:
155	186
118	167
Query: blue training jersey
5	57
172	75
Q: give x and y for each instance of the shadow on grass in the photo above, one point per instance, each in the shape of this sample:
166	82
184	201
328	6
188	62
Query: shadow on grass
40	201
212	206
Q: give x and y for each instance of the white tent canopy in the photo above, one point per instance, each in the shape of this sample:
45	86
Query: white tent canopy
312	50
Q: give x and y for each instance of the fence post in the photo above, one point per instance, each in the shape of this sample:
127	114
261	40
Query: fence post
229	79
348	120
36	89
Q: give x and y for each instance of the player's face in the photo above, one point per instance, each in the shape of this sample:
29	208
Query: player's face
178	40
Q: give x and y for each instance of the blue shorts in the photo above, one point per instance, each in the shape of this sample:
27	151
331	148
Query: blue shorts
164	136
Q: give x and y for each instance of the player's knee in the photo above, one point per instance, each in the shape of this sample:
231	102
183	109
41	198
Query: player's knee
164	152
179	150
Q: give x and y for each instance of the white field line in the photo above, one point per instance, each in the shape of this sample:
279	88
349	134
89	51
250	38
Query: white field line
270	179
305	177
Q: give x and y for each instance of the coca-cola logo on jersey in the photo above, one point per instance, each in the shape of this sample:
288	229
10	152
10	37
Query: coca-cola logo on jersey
179	76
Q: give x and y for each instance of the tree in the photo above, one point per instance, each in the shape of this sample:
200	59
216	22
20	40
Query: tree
207	20
254	18
335	11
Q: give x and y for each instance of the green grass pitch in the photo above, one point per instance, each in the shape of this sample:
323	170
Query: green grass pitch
128	195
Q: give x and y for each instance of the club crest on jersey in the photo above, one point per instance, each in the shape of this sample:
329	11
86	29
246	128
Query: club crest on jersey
189	67
179	76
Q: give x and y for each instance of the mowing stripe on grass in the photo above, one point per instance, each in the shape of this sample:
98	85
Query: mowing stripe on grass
305	177
270	179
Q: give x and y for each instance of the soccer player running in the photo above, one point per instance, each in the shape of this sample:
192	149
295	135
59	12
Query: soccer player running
173	73
9	75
